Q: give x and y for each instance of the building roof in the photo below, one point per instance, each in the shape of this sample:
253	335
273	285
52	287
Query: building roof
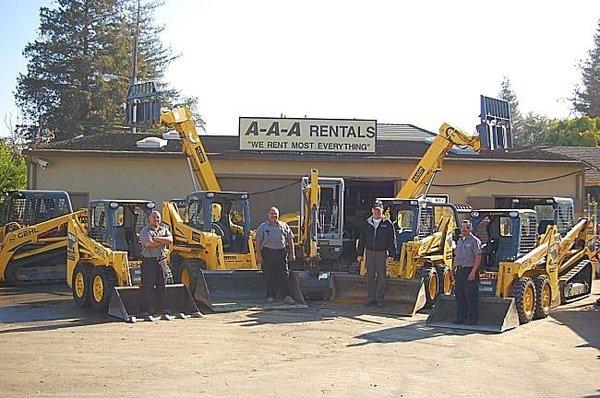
589	155
395	141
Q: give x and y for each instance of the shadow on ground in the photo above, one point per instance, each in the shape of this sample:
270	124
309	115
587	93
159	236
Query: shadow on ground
50	304
317	312
583	319
413	331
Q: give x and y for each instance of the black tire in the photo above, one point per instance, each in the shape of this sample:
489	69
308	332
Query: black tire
432	285
10	274
543	297
80	285
524	293
102	281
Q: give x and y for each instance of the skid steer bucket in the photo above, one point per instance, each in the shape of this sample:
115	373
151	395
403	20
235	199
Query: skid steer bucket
496	314
224	291
125	302
403	296
313	284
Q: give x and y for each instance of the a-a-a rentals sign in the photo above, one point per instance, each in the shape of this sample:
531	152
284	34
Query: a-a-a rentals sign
308	135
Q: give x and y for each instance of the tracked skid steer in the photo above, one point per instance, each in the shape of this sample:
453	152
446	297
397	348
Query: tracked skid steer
33	229
104	260
524	275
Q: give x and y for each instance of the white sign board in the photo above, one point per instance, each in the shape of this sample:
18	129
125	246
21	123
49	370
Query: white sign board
307	135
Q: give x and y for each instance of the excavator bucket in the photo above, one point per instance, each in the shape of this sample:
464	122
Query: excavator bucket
403	296
125	302
313	284
225	291
496	314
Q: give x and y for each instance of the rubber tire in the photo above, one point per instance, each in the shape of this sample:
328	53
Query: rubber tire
541	282
428	274
193	267
84	300
109	281
445	272
520	287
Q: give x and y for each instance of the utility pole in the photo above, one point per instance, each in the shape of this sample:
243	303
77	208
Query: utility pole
134	59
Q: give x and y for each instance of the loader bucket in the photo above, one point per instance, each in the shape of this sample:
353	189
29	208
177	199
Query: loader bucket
225	291
125	302
403	296
313	284
496	314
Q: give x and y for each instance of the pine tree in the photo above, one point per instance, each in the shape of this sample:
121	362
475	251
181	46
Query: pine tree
63	93
517	126
587	98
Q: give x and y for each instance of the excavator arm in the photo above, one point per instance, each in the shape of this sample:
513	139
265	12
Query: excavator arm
422	176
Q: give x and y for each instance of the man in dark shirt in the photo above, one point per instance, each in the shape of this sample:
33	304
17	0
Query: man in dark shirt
377	243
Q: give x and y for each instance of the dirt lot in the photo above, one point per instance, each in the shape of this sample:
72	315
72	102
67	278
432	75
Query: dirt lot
48	347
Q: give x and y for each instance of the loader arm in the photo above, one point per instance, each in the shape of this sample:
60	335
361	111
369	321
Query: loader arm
309	226
422	176
82	248
33	234
203	173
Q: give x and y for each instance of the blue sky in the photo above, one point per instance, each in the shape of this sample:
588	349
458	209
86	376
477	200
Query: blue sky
423	63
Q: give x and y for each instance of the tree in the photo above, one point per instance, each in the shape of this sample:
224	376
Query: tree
62	94
583	131
534	130
13	169
517	127
587	98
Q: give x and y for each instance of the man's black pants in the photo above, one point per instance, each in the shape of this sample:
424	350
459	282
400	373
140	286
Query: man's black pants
154	273
275	271
466	293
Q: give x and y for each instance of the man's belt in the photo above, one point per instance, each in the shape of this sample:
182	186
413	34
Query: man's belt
463	266
273	250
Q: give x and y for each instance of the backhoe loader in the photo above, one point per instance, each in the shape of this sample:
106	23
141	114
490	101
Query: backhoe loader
33	229
213	247
104	259
524	275
423	229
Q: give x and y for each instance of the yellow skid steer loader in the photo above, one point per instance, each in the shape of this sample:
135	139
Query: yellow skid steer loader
524	275
104	259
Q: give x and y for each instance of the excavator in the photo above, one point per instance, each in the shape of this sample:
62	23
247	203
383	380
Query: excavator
33	229
319	230
524	275
104	261
213	250
424	229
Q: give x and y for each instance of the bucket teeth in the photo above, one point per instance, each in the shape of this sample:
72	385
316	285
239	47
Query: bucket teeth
125	302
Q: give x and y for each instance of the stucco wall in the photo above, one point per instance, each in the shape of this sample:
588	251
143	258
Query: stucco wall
163	178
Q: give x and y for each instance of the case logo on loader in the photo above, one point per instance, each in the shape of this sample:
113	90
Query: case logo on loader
418	174
27	232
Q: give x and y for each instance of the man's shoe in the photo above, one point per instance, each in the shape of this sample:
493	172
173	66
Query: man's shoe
471	322
369	303
288	300
270	300
146	317
380	304
459	322
167	317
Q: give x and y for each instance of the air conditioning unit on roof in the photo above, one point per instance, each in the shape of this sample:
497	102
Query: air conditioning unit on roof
151	142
